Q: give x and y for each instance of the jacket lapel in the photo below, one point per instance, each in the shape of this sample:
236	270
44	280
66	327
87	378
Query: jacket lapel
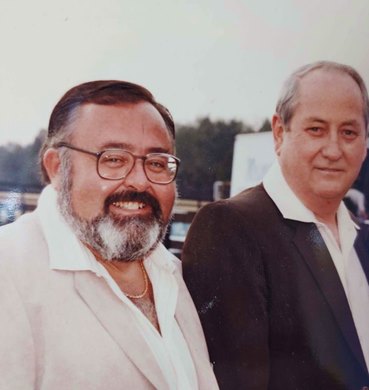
189	323
118	320
316	255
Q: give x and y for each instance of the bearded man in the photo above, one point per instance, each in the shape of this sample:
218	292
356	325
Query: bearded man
90	298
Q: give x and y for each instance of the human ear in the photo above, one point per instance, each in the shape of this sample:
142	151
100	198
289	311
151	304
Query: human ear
278	133
51	162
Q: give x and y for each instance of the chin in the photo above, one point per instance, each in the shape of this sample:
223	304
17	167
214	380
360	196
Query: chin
331	194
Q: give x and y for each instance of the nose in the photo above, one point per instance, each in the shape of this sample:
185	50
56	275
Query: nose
332	149
136	178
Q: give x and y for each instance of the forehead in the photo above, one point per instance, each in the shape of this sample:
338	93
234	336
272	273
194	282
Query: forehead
130	125
326	89
328	77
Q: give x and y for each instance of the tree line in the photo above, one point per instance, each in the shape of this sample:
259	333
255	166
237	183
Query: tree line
205	149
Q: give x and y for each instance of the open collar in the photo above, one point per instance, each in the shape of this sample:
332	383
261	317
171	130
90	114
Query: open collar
291	206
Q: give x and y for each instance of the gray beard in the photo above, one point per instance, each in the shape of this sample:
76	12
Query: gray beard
124	239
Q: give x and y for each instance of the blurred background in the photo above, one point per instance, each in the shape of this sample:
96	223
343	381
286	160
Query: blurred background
217	65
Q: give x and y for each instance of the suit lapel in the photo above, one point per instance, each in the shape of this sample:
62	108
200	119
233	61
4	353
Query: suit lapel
118	320
189	323
316	255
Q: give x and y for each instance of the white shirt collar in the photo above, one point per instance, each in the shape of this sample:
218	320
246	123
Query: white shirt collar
291	206
66	251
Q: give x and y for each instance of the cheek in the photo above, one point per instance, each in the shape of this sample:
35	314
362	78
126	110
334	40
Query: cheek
291	152
166	198
365	152
88	196
86	204
356	154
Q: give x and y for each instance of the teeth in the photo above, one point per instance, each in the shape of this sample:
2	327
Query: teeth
129	205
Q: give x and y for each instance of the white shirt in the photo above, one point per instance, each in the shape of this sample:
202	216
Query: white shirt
169	348
345	259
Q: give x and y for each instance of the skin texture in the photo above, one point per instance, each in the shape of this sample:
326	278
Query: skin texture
322	148
137	128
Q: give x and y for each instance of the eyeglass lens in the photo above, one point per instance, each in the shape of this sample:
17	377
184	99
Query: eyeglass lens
159	168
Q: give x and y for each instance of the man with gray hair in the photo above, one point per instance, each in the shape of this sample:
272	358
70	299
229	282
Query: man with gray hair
89	297
279	273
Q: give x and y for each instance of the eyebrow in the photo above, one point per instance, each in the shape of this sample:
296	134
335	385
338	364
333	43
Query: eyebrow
352	122
129	147
314	119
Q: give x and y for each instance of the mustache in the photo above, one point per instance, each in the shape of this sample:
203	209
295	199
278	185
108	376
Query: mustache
134	196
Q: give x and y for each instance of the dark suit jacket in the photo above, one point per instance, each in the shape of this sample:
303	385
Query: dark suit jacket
271	303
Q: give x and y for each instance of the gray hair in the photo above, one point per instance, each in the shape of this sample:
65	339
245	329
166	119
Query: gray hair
288	97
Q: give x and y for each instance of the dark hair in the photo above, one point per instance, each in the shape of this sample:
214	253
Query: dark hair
103	92
288	97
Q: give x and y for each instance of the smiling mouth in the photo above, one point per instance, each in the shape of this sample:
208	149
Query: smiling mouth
130	205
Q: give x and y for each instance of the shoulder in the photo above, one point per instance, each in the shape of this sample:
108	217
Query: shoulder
246	209
27	222
22	232
23	248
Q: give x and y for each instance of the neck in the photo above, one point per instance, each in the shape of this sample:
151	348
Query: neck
119	264
130	276
132	279
330	220
325	210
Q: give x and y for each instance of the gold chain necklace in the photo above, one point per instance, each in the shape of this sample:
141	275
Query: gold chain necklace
146	280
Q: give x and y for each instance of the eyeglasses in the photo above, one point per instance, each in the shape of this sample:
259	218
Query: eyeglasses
116	164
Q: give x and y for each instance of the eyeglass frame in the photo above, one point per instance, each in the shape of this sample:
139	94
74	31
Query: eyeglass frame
136	157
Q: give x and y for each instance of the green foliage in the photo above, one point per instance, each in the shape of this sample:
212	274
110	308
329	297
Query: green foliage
266	126
19	168
206	152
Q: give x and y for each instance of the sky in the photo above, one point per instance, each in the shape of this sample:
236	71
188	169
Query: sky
222	59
